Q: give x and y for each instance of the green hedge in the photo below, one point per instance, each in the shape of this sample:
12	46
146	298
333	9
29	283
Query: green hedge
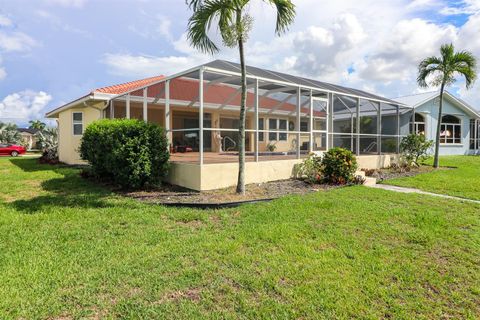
131	153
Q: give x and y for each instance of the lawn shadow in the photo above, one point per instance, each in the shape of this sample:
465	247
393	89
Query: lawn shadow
32	164
68	191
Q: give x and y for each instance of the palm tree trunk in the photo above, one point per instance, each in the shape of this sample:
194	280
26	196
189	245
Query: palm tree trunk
241	129
439	127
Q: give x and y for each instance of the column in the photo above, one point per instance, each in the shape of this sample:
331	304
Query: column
256	105
358	127
145	105
127	106
297	126
167	112
200	116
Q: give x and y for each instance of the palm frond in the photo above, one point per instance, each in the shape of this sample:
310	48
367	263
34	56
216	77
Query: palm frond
285	14
201	22
465	63
194	4
428	67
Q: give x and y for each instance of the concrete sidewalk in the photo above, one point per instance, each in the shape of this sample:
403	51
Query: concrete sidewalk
412	190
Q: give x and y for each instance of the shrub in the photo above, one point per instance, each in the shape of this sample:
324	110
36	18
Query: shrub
131	153
310	169
9	133
415	147
339	166
47	139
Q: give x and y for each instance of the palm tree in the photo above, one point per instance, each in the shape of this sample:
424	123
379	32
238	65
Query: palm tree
37	124
234	24
441	71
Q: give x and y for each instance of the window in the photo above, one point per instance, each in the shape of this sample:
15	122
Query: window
77	123
451	130
272	125
419	124
283	126
277	124
474	134
261	126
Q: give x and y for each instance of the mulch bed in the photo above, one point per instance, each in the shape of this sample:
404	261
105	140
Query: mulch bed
393	173
173	195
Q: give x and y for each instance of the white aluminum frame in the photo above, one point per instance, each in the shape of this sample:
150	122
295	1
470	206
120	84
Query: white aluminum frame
288	86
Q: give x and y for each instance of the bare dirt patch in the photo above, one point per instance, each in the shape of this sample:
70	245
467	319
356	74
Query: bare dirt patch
169	194
393	173
189	294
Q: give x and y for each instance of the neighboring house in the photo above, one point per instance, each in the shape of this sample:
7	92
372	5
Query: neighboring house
460	126
287	118
28	136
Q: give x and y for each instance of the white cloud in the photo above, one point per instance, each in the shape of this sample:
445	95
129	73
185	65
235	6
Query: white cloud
5	21
67	3
139	66
16	41
59	24
153	27
24	105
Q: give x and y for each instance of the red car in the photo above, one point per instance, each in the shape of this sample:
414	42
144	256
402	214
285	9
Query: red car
11	150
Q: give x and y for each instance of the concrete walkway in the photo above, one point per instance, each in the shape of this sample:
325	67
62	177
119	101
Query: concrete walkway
412	190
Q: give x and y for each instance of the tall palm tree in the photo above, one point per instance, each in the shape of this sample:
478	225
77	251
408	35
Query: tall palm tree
442	71
37	124
234	24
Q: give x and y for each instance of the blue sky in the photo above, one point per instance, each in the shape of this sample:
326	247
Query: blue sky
53	51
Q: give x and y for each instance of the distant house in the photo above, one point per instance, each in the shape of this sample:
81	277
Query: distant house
28	135
288	117
460	126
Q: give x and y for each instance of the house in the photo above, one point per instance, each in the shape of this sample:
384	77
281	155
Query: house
287	118
28	136
460	126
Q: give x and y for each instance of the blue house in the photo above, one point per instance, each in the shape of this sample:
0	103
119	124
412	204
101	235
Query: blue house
460	129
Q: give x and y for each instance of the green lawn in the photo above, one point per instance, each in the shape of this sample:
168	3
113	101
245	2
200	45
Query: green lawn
462	182
71	250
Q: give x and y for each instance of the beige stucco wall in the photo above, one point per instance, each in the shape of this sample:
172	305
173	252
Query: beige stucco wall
68	143
376	161
223	175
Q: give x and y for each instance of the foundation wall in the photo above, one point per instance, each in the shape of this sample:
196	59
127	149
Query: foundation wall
223	175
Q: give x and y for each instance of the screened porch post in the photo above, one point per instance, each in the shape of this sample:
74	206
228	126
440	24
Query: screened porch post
200	116
127	107
379	128
145	105
297	126
310	120
398	127
167	112
256	102
357	151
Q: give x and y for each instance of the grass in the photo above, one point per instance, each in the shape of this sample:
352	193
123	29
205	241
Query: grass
463	182
69	249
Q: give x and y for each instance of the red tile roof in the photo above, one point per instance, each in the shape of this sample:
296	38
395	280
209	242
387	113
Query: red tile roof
124	87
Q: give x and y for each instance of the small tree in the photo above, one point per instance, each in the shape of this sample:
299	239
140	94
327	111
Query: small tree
415	148
442	71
